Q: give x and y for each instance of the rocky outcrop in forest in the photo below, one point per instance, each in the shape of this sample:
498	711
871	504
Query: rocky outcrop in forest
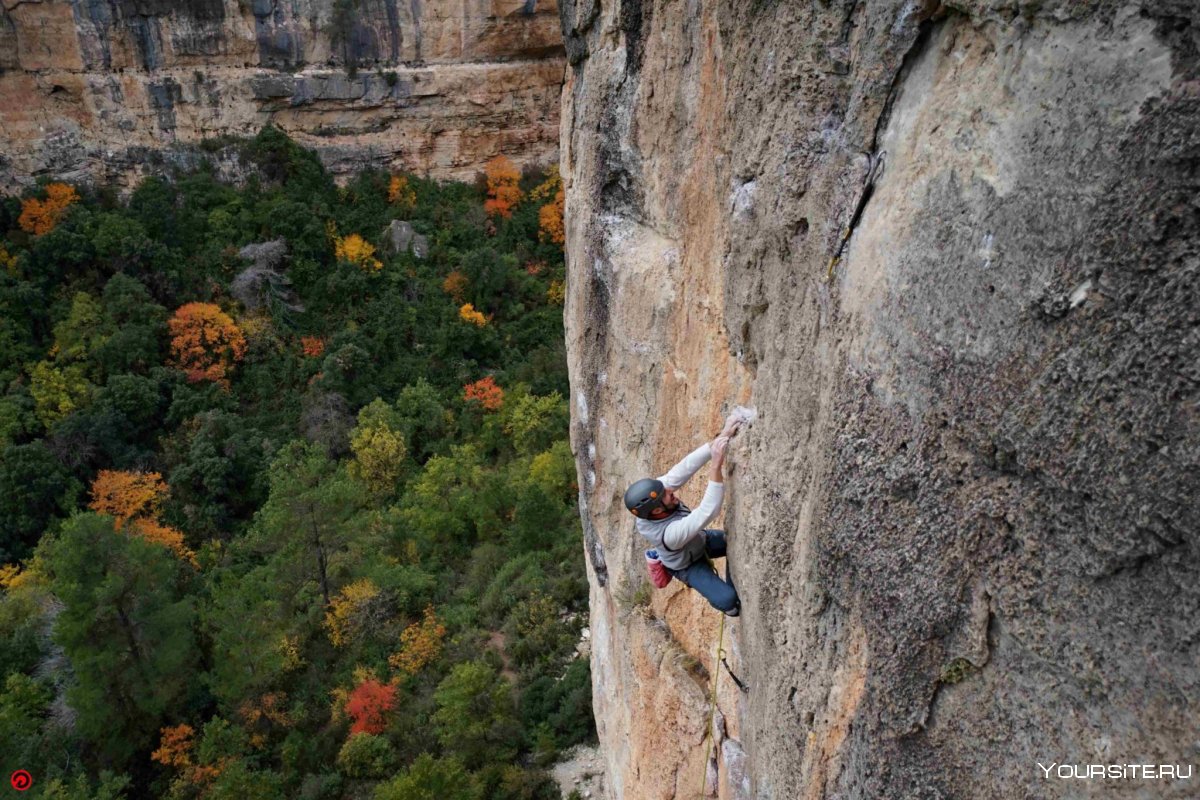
950	252
114	88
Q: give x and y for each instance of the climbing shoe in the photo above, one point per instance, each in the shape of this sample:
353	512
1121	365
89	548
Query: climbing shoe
735	611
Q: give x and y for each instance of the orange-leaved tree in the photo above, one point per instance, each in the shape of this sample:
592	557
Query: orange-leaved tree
356	250
176	748
41	216
455	285
126	495
503	189
420	644
550	220
401	193
369	706
135	498
550	216
312	346
485	392
171	538
262	713
206	342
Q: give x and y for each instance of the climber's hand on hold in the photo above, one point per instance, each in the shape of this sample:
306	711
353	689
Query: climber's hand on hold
732	423
718	447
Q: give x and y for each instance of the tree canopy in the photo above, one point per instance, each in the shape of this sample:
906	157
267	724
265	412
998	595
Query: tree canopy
287	509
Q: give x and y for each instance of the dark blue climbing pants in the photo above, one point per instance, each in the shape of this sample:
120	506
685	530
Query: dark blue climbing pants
701	576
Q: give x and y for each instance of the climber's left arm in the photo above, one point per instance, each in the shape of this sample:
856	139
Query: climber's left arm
685	469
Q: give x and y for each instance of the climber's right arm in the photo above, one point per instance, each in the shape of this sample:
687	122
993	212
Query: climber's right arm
683	530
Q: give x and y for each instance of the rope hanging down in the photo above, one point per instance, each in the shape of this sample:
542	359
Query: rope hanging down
712	708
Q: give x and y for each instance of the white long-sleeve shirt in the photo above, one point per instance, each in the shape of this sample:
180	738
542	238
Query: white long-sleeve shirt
677	537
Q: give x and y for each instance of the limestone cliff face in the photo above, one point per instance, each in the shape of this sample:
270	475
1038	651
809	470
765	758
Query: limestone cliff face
97	87
965	526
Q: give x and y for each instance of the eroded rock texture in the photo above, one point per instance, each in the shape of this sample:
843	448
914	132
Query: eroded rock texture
96	87
965	526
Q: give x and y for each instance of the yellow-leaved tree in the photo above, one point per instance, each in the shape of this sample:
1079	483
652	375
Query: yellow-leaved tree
356	250
468	314
349	611
420	644
400	192
379	448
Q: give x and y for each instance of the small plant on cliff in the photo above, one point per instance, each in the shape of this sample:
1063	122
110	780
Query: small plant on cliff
956	671
634	597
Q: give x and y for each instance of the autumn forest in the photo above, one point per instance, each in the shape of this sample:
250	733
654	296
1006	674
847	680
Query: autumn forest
287	506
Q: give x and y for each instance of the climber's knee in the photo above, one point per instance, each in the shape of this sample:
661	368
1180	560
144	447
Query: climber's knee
724	598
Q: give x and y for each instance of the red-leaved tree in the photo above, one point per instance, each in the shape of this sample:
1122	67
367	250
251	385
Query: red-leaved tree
369	706
485	392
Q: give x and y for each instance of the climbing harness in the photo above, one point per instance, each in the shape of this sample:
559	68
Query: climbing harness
873	173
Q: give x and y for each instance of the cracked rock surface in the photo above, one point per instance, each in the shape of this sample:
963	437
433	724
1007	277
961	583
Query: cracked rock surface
951	253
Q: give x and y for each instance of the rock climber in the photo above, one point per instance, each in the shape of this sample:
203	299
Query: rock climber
684	545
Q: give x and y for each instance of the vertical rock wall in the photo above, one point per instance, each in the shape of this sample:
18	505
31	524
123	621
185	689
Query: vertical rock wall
965	527
105	88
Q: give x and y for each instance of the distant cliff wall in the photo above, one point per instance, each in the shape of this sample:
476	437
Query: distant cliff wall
965	527
104	88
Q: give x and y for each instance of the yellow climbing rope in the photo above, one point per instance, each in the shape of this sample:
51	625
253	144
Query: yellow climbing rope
712	706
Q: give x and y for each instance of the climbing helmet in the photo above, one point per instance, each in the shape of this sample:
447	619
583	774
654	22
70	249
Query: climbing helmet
645	497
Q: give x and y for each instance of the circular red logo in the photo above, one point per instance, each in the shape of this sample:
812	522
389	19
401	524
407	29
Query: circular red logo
21	780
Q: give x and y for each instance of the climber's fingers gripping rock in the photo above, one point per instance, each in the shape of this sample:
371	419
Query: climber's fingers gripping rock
732	423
